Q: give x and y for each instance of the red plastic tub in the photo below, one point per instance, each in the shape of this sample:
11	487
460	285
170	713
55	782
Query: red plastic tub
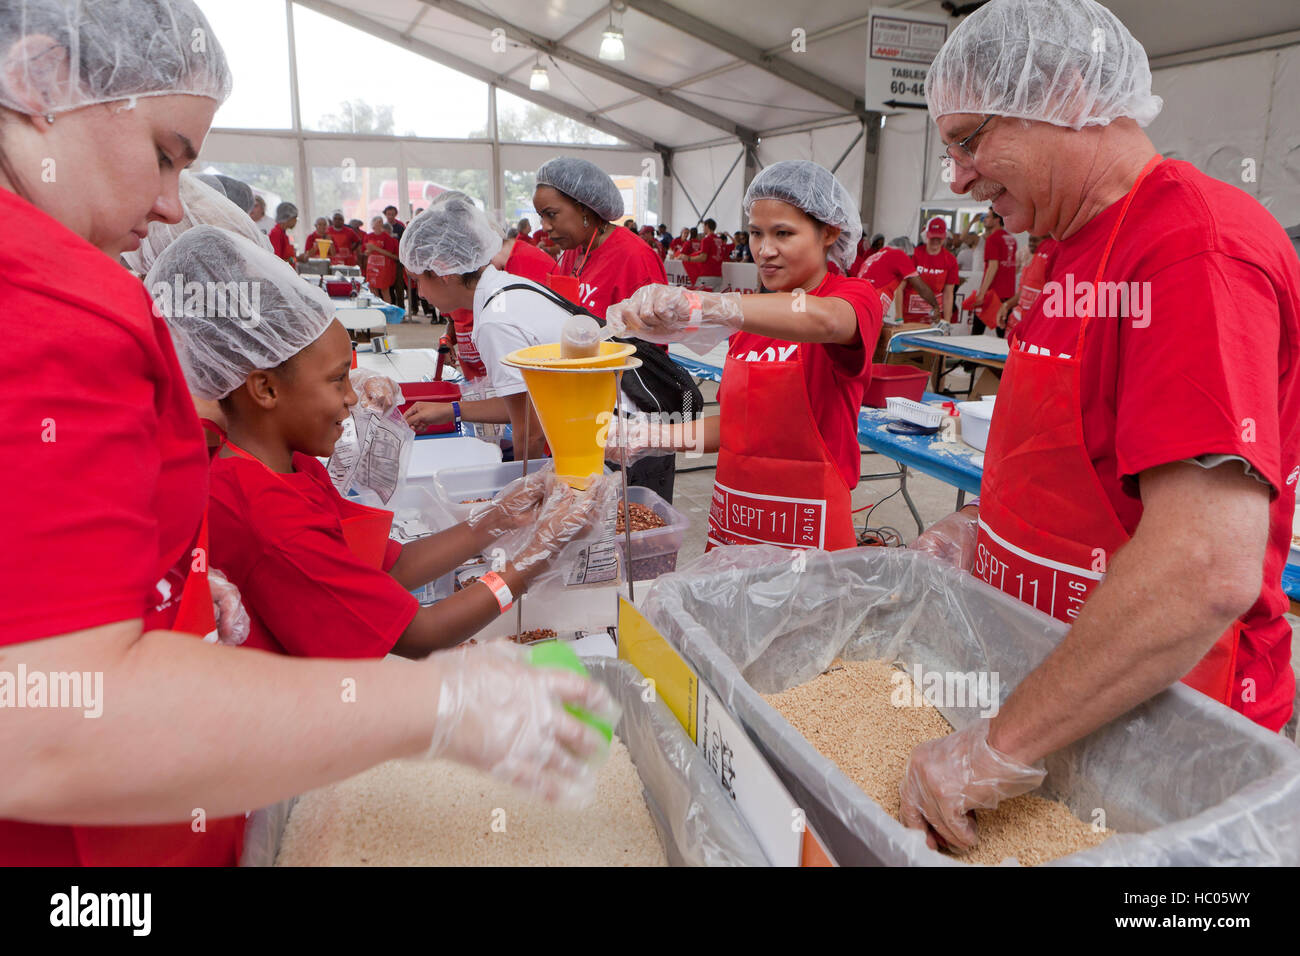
430	392
894	381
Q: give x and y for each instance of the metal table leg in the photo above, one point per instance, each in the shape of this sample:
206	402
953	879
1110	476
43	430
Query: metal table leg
911	505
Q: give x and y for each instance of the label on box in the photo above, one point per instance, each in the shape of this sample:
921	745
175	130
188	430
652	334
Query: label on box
742	517
598	562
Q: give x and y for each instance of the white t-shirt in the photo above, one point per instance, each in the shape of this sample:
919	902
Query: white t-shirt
513	320
266	224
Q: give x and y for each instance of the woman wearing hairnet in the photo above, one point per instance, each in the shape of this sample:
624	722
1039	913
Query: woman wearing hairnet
286	220
797	364
600	263
319	575
1138	480
105	565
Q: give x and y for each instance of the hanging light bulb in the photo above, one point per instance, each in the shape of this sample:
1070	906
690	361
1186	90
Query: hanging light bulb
540	79
611	41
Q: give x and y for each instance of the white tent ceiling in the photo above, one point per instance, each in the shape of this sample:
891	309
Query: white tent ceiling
706	71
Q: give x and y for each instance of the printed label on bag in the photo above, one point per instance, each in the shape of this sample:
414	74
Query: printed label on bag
742	517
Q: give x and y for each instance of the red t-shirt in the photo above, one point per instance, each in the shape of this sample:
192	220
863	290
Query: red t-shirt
106	489
1032	279
281	243
529	262
279	540
347	244
1000	247
836	376
936	271
676	245
615	269
712	249
1186	383
886	270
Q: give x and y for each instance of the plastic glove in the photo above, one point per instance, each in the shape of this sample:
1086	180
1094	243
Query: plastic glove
669	313
948	778
375	391
228	608
516	504
951	539
636	436
566	517
502	715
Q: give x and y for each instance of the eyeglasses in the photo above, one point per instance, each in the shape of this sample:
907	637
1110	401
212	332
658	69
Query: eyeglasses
959	152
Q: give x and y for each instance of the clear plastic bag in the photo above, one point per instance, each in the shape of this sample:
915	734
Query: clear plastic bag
1185	780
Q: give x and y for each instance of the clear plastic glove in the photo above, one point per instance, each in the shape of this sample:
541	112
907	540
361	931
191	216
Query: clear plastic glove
566	517
669	313
516	504
951	539
228	608
949	778
635	436
500	714
375	390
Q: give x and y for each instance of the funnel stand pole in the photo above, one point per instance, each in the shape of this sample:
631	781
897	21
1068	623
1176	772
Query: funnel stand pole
528	420
627	512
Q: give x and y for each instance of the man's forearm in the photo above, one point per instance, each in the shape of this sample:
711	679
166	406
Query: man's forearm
989	272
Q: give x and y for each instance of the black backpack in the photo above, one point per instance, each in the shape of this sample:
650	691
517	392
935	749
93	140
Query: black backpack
659	385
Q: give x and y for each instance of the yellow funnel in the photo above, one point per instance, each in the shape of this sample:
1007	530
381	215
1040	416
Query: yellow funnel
323	247
570	396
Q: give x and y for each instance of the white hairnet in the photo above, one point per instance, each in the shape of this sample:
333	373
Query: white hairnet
200	205
285	211
451	237
232	308
1067	62
117	49
902	242
583	182
815	190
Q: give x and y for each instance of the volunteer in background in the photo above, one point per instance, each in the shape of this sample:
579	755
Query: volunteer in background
380	247
450	250
318	573
708	259
396	291
1032	279
322	233
261	220
347	244
798	361
1122	493
390	217
123	484
999	267
600	264
286	220
677	248
891	267
525	230
937	268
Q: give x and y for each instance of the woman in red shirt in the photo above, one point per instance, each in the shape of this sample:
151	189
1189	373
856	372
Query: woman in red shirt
319	575
797	364
286	220
380	249
108	576
601	263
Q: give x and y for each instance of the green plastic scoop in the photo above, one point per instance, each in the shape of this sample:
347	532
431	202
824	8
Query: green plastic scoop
558	655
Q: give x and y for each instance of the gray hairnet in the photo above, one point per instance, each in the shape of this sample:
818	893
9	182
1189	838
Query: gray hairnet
1067	62
902	242
232	307
583	182
200	205
285	211
814	189
451	237
118	49
237	191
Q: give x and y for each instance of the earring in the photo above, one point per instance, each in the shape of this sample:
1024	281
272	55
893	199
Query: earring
49	118
584	218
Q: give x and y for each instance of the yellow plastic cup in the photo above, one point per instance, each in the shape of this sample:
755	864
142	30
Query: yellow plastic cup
573	402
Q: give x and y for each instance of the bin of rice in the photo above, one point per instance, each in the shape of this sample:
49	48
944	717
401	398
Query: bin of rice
657	803
1180	779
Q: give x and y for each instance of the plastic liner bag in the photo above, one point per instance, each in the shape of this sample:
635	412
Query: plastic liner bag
696	820
1185	780
373	452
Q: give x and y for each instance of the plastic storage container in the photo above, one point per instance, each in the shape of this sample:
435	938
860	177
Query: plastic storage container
903	381
413	392
907	410
654	552
696	819
455	488
1184	780
976	417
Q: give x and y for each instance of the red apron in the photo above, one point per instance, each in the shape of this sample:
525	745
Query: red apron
988	311
365	529
771	445
1053	555
471	363
172	844
381	271
343	253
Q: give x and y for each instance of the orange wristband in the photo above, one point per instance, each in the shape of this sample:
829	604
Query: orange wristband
500	590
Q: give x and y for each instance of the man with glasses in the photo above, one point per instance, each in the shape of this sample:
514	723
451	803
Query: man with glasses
1133	414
